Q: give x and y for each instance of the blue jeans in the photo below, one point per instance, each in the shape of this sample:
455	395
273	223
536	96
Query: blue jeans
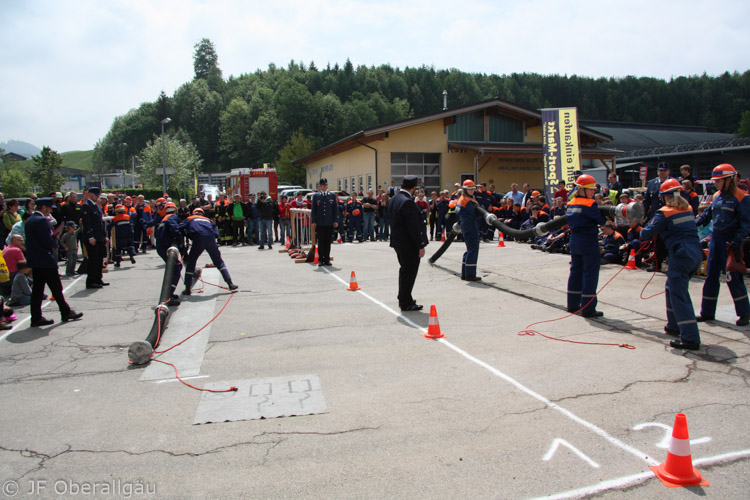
369	230
285	229
266	232
384	228
252	231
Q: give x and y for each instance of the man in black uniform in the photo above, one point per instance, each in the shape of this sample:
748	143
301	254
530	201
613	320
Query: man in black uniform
39	245
324	217
408	238
94	239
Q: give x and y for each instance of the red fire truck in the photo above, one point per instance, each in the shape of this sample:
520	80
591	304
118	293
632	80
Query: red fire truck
247	181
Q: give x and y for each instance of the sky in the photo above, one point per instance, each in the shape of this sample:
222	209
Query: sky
68	68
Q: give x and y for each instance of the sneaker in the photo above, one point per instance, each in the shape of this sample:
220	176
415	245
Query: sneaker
232	286
681	344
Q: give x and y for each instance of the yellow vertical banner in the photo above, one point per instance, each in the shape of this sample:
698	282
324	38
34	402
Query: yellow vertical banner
560	148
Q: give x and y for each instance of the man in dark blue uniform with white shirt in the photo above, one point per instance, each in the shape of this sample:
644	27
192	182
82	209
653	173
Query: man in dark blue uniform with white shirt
39	246
324	217
408	239
93	238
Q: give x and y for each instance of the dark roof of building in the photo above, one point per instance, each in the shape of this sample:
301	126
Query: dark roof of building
530	117
638	136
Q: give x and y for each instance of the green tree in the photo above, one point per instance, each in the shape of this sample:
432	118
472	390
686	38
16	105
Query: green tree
296	147
744	128
205	59
15	183
46	171
180	155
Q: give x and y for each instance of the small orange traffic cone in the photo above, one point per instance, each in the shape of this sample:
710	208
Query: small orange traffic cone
338	240
631	260
51	297
501	241
353	286
678	470
317	260
433	329
287	243
442	238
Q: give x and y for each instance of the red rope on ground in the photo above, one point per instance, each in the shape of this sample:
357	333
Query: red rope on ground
158	336
528	331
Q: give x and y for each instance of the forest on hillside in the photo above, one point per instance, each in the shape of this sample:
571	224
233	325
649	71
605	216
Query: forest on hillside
278	114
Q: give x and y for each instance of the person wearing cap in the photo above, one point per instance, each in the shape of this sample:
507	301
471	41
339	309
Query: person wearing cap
408	239
39	245
69	241
203	233
469	218
651	203
324	217
675	223
730	213
94	239
584	219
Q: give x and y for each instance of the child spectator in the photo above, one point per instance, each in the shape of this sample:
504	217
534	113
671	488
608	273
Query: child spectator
611	244
633	241
21	291
69	241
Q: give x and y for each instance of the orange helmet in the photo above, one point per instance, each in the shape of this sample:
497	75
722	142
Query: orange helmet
723	170
670	186
160	200
198	211
534	194
170	207
119	208
469	184
586	181
128	198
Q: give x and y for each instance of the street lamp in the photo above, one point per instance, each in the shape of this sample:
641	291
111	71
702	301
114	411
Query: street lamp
164	155
124	145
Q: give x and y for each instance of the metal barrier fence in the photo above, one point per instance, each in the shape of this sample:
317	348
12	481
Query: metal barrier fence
301	235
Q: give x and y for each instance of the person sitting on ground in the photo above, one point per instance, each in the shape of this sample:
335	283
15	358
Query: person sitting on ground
21	290
13	254
611	244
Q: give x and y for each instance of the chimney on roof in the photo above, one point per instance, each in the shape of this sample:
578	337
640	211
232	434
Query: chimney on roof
445	100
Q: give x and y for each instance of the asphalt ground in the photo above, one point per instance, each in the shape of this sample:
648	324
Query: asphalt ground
482	413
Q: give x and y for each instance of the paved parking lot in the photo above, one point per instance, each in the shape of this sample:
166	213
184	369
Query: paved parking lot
483	413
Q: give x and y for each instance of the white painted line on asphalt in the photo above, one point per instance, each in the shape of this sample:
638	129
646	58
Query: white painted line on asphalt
44	304
596	430
559	441
627	481
183	378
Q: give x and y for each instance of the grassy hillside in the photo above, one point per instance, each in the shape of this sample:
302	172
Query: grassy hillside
80	160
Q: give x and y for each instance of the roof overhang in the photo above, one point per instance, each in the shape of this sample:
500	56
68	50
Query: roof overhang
523	149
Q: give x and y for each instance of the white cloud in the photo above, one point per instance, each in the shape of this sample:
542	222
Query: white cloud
70	67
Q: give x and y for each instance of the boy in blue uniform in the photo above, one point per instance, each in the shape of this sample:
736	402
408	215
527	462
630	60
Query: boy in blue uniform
675	223
468	217
168	233
730	213
123	235
584	220
203	233
355	209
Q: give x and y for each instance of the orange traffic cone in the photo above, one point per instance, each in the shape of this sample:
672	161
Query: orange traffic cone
51	297
678	470
338	240
631	260
353	286
442	238
317	260
433	329
500	240
288	244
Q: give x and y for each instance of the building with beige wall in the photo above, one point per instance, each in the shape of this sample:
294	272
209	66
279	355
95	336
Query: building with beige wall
492	141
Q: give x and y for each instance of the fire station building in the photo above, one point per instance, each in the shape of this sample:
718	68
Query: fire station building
492	141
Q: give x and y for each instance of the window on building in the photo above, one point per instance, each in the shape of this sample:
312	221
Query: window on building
361	185
369	181
338	184
346	188
426	166
354	186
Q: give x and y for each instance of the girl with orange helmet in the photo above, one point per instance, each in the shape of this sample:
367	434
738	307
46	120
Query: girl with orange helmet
730	213
584	219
